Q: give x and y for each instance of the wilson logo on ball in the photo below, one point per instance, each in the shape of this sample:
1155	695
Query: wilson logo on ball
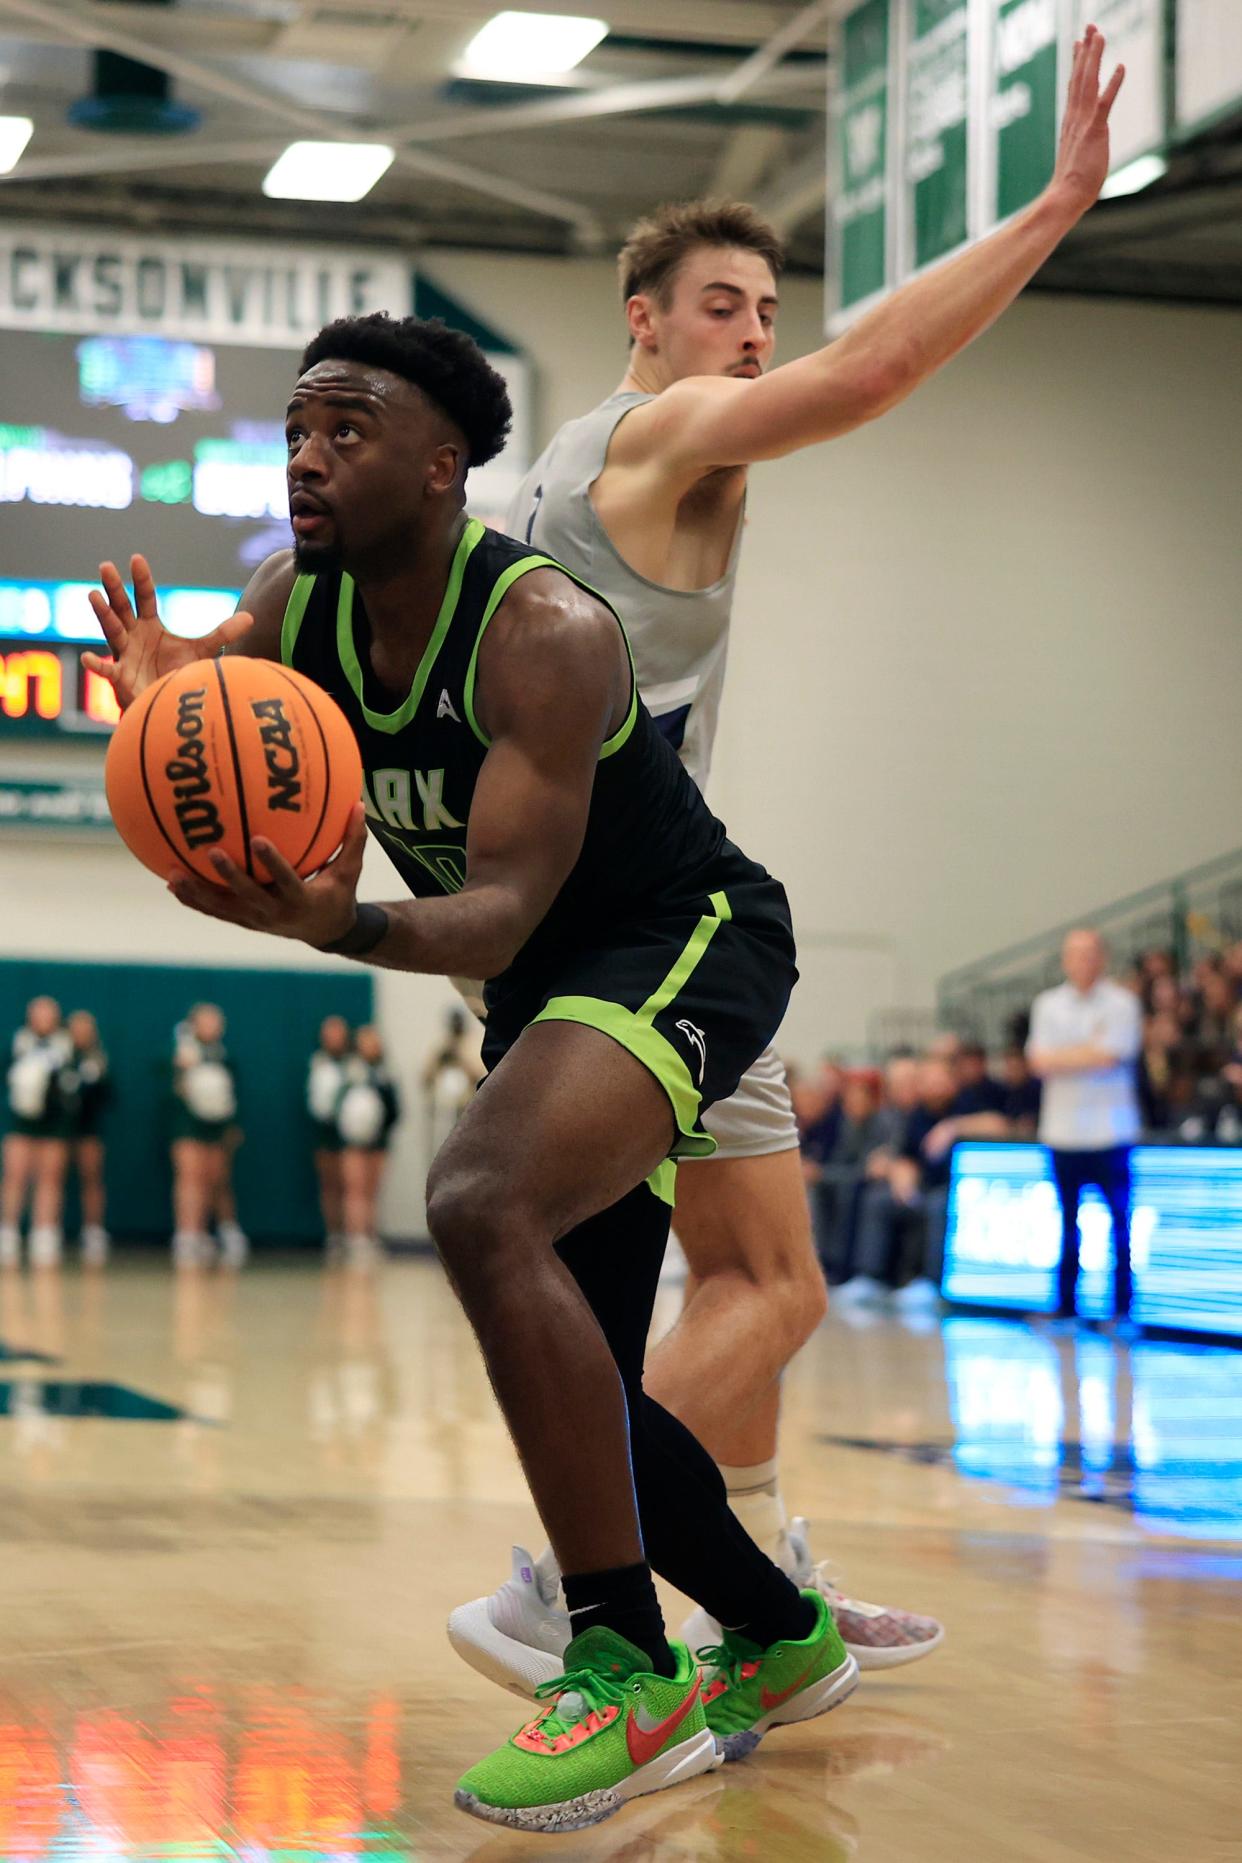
197	815
220	752
280	754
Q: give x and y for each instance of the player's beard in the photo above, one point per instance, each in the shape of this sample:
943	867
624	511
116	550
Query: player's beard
315	559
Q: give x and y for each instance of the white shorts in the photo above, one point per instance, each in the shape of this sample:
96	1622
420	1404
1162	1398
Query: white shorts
758	1118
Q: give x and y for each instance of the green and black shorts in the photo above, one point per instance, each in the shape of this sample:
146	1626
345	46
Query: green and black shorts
695	990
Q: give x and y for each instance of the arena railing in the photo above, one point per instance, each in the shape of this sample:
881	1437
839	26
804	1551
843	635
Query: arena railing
1192	915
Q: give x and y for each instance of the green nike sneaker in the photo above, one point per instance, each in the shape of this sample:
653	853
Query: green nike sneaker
747	1690
611	1732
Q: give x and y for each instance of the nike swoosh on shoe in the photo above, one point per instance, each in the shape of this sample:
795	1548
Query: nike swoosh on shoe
768	1700
645	1742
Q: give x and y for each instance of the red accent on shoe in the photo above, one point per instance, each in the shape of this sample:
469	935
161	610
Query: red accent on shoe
770	1701
643	1745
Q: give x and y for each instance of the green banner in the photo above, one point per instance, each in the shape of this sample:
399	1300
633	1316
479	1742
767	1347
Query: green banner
861	209
1023	100
71	802
937	108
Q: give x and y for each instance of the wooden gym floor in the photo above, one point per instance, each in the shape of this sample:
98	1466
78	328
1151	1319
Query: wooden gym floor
224	1587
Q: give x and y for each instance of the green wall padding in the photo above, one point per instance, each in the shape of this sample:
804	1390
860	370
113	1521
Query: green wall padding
273	1022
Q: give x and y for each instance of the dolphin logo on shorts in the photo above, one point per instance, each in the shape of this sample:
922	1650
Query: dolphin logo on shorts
698	1041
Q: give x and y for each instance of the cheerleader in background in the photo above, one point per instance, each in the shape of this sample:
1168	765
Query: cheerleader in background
368	1110
233	1240
451	1078
325	1084
90	1064
41	1091
204	1110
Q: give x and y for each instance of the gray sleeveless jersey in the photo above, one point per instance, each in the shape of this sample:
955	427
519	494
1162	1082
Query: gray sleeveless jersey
680	639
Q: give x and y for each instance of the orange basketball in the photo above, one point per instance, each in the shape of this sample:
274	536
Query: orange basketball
223	750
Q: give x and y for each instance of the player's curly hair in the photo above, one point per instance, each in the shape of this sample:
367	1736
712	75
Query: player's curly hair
447	365
656	245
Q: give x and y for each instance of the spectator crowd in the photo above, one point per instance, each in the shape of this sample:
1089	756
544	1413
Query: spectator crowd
877	1142
1190	1067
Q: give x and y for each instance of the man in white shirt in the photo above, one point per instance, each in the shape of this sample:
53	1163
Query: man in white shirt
1084	1041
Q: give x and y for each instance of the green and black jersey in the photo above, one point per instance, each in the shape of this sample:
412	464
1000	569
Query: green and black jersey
656	878
650	838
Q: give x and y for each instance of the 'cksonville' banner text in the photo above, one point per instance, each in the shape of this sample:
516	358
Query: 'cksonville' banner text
206	290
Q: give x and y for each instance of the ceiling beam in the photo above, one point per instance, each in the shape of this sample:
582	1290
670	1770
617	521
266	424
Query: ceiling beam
754	69
719	22
742	23
746	157
585	106
123	157
799	192
175	211
219	35
86	27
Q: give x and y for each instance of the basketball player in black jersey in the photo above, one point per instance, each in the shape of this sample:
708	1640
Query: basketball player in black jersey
637	963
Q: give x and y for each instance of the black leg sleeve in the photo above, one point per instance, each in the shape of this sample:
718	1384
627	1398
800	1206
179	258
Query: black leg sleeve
691	1536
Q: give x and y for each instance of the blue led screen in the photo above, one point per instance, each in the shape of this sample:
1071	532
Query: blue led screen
1004	1235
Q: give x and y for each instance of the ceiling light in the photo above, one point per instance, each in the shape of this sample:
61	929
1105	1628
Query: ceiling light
15	133
1134	176
327	171
516	47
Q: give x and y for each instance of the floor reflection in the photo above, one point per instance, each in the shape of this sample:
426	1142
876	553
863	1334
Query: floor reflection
1151	1429
275	1780
280	1775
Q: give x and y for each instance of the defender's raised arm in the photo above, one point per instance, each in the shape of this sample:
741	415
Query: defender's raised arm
703	422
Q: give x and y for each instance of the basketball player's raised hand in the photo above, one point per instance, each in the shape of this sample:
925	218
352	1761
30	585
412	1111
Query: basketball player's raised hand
142	648
1082	158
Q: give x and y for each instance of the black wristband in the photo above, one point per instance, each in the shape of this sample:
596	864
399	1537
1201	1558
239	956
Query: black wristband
369	926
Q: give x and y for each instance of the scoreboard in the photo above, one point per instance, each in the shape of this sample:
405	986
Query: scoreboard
113	444
167	440
45	689
945	116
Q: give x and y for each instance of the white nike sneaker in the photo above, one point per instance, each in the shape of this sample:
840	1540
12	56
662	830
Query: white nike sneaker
518	1636
10	1245
190	1250
94	1242
863	1290
876	1635
918	1296
45	1246
234	1245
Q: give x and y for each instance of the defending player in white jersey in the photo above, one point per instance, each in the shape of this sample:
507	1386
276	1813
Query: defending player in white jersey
644	498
